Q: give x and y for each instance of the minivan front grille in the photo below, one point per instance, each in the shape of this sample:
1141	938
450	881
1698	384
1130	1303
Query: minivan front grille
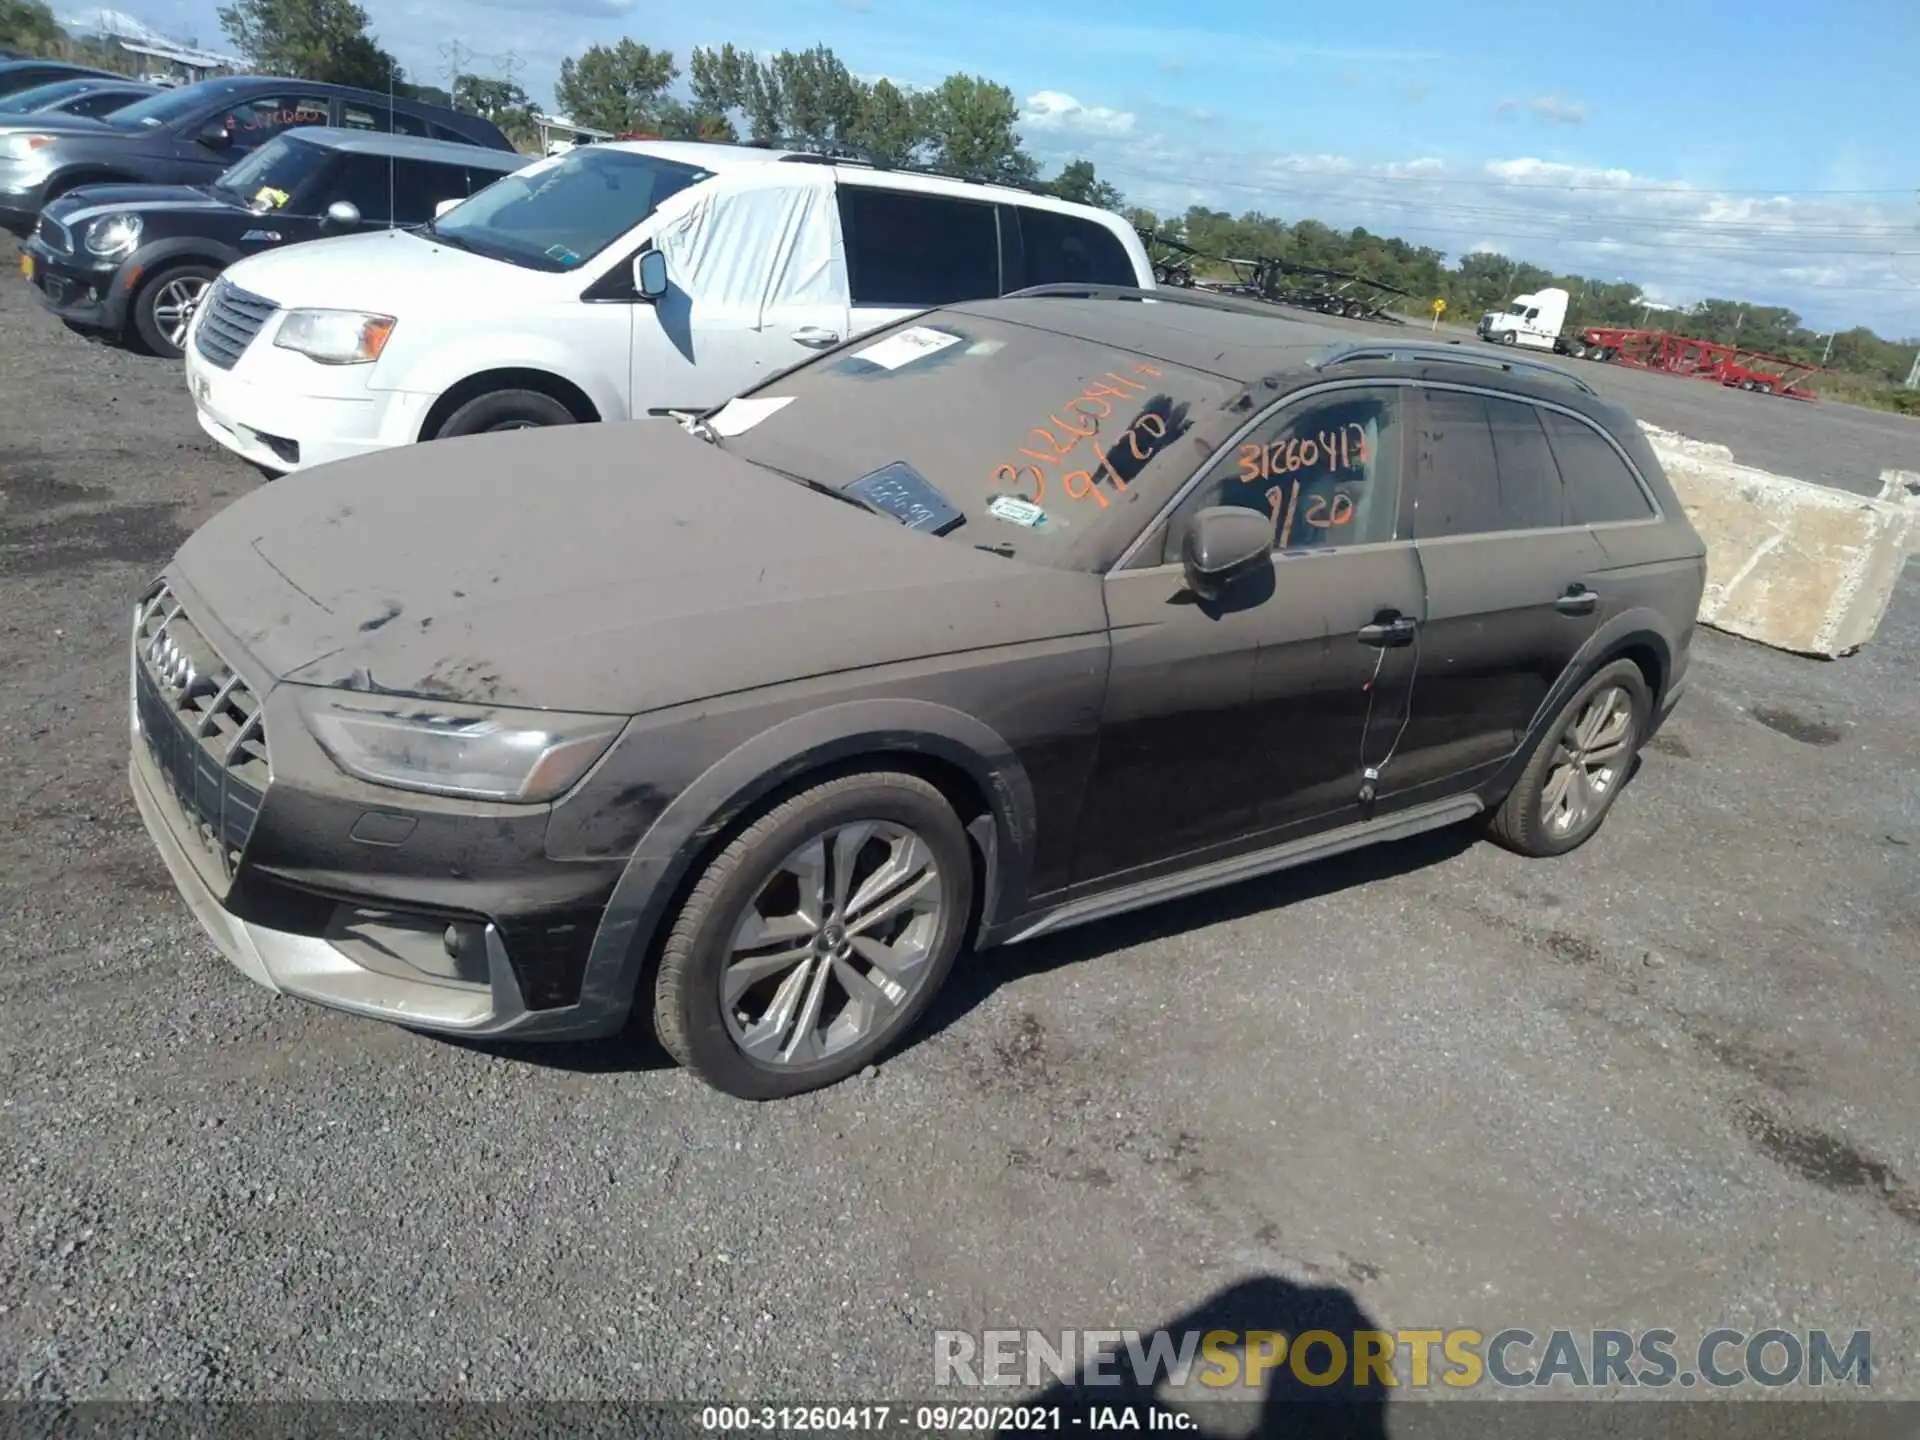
203	725
55	236
230	318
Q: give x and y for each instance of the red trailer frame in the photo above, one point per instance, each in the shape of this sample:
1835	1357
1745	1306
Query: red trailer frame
1753	370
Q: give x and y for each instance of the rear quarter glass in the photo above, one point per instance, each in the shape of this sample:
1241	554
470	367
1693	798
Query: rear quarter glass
1084	432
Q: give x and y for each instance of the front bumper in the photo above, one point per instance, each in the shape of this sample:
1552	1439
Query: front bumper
366	947
91	297
285	412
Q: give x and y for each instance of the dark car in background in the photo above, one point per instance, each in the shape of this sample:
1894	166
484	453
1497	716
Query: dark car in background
88	97
130	262
190	135
1014	616
18	75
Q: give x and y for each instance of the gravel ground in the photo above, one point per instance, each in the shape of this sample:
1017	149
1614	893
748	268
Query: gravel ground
1669	1080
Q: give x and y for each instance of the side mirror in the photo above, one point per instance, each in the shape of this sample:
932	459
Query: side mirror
650	274
215	136
343	212
1224	543
444	206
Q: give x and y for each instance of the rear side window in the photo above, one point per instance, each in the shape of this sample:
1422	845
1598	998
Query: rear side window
1600	487
1065	249
355	116
908	249
1483	465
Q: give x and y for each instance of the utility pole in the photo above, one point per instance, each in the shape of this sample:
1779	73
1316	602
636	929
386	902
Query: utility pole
1913	375
1827	354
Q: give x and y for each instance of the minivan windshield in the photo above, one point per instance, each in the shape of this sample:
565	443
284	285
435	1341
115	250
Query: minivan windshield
1047	448
559	213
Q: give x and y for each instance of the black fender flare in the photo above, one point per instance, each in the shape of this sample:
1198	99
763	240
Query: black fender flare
161	254
816	740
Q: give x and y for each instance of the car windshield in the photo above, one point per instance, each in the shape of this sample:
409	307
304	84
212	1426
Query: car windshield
39	97
166	107
559	213
272	175
1043	447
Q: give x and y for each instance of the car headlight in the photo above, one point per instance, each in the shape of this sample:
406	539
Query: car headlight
335	337
20	147
480	752
113	236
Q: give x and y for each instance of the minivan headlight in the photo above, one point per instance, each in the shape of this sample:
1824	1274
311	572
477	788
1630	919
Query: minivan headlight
113	236
20	147
335	337
479	752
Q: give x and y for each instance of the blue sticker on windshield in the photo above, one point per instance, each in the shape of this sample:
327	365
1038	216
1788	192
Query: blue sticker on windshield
562	254
904	493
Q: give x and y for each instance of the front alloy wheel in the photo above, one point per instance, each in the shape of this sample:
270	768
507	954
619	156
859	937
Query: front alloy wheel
817	937
1588	762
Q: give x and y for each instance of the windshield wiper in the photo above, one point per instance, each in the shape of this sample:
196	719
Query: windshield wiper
821	487
452	242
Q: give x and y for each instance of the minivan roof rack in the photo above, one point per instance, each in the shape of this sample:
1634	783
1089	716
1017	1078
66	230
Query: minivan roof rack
1447	354
858	155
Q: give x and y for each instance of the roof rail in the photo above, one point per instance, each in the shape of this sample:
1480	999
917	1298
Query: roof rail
1448	354
855	155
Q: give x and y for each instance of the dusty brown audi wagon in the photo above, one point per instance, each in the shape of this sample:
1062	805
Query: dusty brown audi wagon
1016	615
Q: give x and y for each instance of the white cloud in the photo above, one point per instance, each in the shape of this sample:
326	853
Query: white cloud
1058	112
1553	109
1836	259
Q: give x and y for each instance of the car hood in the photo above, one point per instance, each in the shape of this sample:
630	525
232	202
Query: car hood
604	568
386	271
100	199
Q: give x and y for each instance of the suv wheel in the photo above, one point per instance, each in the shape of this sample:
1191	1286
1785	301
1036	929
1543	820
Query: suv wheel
505	410
1572	779
164	306
817	938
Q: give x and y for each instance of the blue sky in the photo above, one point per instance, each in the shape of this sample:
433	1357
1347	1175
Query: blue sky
1761	150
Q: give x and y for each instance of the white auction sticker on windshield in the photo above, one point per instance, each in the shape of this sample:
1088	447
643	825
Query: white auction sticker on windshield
908	346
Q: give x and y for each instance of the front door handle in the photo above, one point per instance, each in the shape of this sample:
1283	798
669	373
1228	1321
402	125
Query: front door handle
1577	601
1389	631
816	337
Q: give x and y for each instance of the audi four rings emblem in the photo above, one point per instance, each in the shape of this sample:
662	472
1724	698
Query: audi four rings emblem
173	665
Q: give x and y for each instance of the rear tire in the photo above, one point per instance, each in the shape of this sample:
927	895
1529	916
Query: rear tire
1575	773
163	307
505	410
768	985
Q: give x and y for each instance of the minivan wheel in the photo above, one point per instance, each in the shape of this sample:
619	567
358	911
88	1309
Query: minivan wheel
1573	777
164	306
505	410
817	938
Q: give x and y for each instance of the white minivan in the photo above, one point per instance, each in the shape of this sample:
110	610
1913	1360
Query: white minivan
611	282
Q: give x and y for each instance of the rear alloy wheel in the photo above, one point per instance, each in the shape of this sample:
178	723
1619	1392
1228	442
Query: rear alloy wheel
163	308
1570	782
817	938
505	410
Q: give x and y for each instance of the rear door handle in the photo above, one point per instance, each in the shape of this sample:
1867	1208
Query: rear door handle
1577	601
816	337
1396	631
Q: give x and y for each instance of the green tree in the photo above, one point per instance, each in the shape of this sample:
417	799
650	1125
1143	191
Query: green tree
616	87
969	124
1078	182
890	127
323	40
29	25
489	97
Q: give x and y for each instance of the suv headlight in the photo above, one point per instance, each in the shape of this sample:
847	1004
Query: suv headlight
480	752
113	236
335	337
20	147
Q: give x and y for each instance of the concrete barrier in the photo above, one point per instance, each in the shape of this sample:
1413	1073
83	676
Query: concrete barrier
1791	564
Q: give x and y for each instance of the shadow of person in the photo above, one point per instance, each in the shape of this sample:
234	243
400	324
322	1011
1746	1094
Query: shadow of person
1285	1405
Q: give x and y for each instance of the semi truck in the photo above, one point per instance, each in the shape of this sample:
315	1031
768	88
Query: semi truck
1534	321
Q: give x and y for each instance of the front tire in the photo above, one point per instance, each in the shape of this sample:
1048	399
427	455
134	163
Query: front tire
817	938
505	410
1573	777
163	308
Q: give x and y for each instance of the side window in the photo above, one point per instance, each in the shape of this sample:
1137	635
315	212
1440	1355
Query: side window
1325	469
908	249
1600	487
420	185
98	103
355	116
360	180
1064	249
1483	466
253	122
